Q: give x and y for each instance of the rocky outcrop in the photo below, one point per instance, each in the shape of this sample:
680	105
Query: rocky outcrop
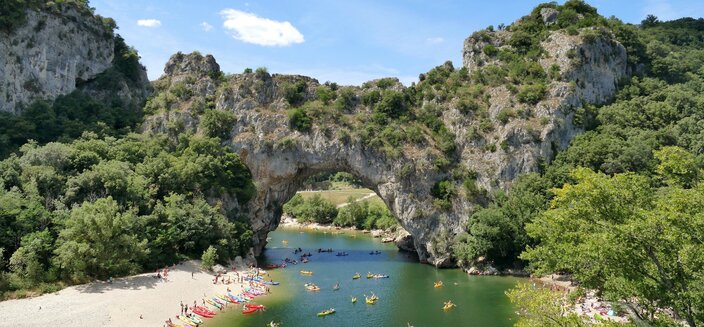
282	158
61	48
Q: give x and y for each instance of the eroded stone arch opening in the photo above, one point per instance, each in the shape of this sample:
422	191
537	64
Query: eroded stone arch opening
359	190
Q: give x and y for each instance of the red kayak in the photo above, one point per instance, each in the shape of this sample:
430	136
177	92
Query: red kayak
206	310
254	306
202	313
249	310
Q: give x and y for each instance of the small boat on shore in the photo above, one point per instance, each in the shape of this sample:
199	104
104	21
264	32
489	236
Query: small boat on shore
326	312
246	310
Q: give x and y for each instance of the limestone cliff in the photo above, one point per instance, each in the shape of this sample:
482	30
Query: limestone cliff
57	49
490	148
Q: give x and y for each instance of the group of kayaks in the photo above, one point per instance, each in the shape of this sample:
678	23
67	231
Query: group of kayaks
198	313
447	305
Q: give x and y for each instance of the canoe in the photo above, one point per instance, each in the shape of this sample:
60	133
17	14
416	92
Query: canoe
195	319
254	306
185	319
205	310
249	310
213	303
326	312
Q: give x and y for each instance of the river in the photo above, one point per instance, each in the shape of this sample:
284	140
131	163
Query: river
408	296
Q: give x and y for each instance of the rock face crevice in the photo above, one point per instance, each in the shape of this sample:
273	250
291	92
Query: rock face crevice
281	158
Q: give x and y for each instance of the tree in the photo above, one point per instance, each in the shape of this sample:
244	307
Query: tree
100	240
677	166
210	256
630	241
218	123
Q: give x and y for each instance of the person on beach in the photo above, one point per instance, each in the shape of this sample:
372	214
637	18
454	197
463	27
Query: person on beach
191	275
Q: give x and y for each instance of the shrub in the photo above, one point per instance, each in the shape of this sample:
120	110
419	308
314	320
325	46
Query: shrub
490	50
392	104
218	123
295	93
504	115
299	120
532	94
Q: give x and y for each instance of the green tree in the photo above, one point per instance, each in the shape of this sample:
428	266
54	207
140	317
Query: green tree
218	123
210	256
677	166
100	240
630	241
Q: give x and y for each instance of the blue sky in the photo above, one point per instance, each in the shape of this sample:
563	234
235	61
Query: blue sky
347	42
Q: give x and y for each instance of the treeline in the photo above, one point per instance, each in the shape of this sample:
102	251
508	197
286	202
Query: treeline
101	207
362	215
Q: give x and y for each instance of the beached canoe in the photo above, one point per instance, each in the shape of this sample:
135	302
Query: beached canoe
249	310
254	306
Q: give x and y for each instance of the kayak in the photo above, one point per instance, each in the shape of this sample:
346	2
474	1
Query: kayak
249	310
205	310
213	303
254	306
271	283
202	313
306	273
195	319
356	276
273	324
448	306
438	284
354	300
225	298
185	319
326	312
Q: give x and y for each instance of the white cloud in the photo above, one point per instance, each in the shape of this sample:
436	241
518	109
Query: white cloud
206	27
249	28
149	22
434	40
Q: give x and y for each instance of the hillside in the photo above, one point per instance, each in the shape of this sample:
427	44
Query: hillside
63	70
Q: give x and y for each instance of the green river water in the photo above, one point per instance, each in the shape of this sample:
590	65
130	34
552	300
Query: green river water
408	296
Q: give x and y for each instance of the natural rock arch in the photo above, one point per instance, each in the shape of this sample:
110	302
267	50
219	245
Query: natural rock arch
278	172
257	127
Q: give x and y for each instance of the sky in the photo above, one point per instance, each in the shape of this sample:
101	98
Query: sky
347	42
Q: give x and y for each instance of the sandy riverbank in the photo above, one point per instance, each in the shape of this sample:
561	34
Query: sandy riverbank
118	304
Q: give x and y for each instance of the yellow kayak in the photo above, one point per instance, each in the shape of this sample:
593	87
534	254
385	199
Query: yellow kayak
306	273
354	299
438	284
448	306
356	276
